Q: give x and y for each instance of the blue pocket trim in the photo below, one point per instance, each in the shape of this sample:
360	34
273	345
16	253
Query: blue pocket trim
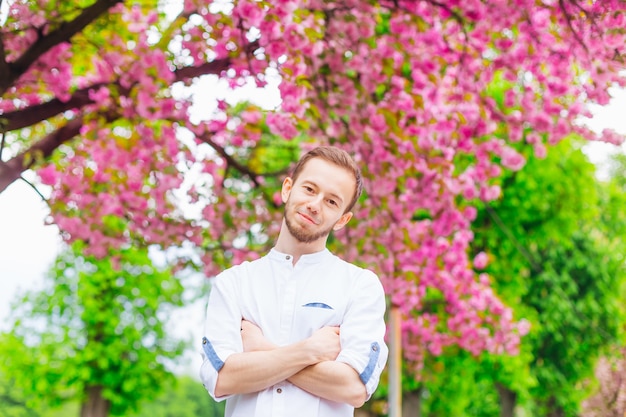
369	369
211	354
318	305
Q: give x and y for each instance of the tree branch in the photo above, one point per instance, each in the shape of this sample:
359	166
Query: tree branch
32	115
4	66
2	140
568	18
230	161
62	34
214	67
31	185
13	168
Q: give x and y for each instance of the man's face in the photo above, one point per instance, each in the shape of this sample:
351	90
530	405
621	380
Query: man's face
316	201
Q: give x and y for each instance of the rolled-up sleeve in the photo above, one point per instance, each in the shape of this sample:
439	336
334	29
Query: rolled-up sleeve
222	330
363	331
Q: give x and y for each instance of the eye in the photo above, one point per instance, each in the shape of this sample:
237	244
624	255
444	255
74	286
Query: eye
332	202
308	189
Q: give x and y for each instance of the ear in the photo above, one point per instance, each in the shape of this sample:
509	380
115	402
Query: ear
345	218
286	189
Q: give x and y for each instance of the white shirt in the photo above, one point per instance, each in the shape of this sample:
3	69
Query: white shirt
289	303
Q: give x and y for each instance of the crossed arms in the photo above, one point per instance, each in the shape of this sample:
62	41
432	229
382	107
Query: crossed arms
309	364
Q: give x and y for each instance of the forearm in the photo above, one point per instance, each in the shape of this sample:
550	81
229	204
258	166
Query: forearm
331	380
254	371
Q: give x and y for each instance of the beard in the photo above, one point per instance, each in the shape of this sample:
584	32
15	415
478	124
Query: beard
302	235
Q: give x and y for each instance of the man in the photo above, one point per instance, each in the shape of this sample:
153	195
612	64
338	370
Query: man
298	332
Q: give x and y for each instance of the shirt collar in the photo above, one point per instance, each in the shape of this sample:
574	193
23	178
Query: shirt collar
310	258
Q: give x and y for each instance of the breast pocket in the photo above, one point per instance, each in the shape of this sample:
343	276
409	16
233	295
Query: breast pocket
314	315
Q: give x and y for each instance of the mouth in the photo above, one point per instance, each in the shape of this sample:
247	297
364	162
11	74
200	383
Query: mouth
307	218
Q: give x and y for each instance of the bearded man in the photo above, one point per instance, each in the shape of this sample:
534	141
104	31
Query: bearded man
299	332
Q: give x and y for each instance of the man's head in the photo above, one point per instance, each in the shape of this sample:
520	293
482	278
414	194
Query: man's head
319	195
338	157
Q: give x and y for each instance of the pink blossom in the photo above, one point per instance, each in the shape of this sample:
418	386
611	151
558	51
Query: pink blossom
512	159
481	260
540	150
610	136
251	117
282	125
48	174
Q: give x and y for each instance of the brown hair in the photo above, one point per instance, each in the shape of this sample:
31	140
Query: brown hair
338	157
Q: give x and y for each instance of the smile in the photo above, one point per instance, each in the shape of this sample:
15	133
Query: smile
307	218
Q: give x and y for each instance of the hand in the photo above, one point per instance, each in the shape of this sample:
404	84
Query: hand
253	338
325	343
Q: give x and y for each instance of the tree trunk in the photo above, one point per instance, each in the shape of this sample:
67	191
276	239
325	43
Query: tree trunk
508	399
95	405
412	403
556	413
554	410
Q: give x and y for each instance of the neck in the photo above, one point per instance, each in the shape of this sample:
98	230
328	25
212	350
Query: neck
286	243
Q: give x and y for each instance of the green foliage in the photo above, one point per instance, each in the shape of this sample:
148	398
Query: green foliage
612	217
13	402
99	323
183	397
450	374
576	298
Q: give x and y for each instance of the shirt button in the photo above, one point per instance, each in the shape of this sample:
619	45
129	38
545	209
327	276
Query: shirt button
279	390
288	257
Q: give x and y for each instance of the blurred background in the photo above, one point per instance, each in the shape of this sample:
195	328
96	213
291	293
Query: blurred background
184	117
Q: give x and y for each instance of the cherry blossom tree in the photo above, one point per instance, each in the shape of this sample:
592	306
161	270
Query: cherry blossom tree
98	97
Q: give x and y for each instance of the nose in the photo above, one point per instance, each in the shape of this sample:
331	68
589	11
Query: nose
314	204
